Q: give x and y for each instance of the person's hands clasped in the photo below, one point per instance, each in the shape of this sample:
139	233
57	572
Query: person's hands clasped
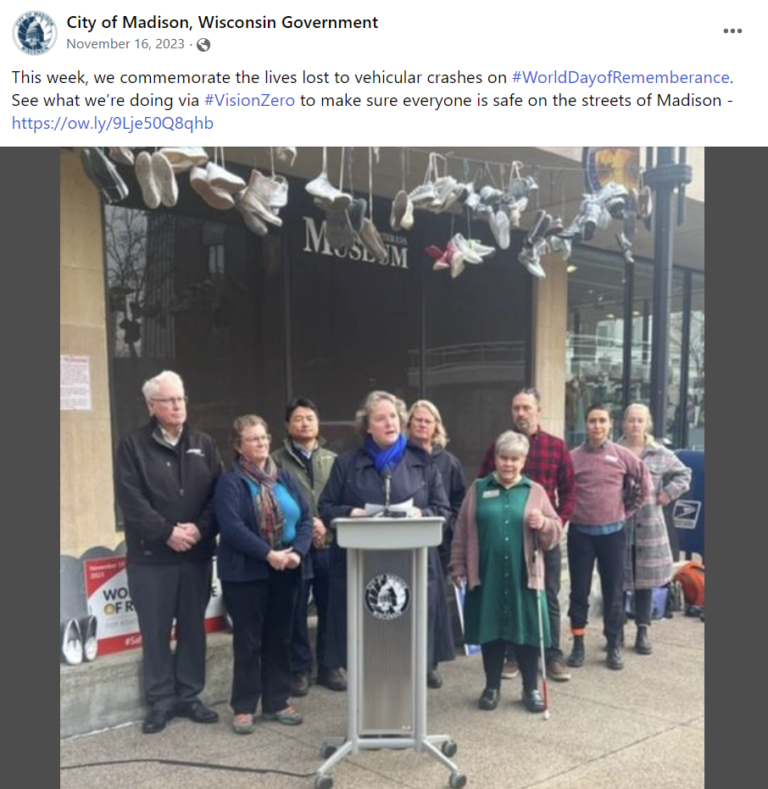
664	498
286	559
318	533
182	537
459	580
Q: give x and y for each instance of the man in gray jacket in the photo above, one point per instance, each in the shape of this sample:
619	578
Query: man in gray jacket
303	455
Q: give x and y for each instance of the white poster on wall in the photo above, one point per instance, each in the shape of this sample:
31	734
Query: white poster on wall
74	383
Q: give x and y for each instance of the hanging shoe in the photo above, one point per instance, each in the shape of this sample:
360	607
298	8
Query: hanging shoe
251	220
357	213
287	155
163	175
222	179
322	189
499	223
104	176
215	198
372	241
183	159
150	191
530	257
399	208
122	156
339	230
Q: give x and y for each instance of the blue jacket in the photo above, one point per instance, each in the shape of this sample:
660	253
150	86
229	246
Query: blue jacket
242	554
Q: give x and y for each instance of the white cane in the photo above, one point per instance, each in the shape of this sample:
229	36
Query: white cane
539	585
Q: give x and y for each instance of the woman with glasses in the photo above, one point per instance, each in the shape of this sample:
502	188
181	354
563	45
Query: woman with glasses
266	531
360	477
425	428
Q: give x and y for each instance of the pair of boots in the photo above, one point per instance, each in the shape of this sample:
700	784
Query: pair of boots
613	659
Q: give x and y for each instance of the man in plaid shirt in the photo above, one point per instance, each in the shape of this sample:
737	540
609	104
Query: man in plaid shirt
549	464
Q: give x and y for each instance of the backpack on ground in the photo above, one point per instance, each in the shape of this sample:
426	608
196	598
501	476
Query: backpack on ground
691	578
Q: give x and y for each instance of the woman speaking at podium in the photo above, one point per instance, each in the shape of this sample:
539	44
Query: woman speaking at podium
386	470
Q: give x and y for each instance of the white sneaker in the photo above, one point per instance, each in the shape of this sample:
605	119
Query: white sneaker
287	155
530	257
499	223
219	178
252	222
150	191
215	198
183	159
162	171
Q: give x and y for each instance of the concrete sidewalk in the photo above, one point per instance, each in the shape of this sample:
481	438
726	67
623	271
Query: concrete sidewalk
641	727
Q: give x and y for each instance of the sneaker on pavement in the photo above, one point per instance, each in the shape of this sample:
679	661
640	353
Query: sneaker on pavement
332	678
510	669
557	670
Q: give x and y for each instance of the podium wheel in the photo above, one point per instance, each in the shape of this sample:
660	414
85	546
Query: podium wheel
449	748
326	782
457	781
327	751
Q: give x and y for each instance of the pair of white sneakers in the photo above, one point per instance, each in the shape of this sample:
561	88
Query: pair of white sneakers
216	185
78	640
156	179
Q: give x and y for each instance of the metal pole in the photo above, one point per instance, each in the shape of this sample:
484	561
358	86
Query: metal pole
664	178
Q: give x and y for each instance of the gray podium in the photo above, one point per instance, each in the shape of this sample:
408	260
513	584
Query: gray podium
387	642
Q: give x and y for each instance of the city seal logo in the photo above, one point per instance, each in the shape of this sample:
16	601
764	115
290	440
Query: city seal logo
387	596
34	33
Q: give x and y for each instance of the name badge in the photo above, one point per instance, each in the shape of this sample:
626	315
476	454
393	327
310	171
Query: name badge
490	494
612	458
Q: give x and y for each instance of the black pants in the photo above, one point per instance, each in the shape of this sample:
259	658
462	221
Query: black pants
301	648
160	594
608	550
262	619
643	606
493	661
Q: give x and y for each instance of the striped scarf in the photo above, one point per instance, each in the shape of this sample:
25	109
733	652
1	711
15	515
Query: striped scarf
269	516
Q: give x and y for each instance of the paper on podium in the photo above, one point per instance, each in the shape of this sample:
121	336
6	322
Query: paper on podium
371	510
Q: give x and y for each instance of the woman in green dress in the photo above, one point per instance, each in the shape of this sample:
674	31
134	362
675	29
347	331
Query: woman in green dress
493	553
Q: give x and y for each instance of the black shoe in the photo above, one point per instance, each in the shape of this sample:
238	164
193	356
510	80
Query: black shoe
533	700
613	659
300	684
155	721
103	174
642	642
332	678
576	658
489	699
197	711
434	680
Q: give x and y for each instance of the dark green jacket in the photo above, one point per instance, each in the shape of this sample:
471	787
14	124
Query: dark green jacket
322	461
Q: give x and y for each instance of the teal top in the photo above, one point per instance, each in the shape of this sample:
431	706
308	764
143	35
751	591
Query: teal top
502	607
288	506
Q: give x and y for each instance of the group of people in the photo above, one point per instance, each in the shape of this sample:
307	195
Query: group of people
273	512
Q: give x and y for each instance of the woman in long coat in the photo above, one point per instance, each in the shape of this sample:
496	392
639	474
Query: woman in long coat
357	478
648	557
425	428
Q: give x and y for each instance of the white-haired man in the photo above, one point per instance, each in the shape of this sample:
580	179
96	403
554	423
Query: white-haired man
165	475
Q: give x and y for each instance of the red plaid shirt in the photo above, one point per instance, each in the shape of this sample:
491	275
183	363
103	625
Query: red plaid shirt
549	464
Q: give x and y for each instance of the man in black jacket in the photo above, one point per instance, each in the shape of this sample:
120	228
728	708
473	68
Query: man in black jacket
165	475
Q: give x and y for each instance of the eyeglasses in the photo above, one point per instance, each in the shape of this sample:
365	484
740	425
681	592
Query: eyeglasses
171	400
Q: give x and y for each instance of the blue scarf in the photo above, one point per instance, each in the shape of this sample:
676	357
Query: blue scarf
385	459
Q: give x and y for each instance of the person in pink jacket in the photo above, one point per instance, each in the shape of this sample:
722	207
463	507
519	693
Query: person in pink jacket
493	553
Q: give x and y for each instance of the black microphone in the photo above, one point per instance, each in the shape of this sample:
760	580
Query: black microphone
387	491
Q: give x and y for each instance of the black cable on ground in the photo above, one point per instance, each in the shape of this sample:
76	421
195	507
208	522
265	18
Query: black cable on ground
180	763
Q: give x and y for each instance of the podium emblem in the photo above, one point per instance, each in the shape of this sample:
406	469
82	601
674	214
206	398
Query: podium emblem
387	596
